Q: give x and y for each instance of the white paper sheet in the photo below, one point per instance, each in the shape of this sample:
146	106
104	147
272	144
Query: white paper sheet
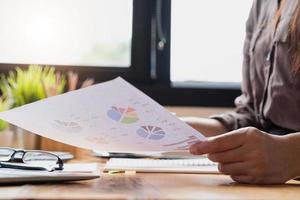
71	172
113	116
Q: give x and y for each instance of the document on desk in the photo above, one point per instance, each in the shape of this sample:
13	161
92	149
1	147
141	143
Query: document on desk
112	116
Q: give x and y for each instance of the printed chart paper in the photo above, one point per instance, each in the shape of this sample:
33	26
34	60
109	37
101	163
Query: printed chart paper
112	116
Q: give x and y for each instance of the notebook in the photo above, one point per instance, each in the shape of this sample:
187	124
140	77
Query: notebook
198	165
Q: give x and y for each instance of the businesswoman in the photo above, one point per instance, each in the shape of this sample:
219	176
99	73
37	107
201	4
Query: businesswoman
260	141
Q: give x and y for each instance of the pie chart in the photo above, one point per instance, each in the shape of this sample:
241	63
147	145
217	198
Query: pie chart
124	115
151	132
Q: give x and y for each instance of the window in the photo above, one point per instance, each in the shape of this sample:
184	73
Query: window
190	41
97	38
176	51
66	32
207	40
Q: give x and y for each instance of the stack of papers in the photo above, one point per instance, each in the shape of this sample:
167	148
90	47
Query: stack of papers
71	172
113	117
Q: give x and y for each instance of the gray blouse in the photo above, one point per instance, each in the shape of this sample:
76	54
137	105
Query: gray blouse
270	97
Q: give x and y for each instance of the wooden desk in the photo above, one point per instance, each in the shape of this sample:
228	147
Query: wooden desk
152	186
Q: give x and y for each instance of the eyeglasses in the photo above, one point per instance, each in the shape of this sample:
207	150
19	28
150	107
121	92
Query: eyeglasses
34	160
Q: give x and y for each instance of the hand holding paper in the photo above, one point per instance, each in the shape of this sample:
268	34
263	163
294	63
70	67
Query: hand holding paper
112	116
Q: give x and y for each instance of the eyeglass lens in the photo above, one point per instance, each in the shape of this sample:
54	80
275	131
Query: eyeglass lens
39	158
5	154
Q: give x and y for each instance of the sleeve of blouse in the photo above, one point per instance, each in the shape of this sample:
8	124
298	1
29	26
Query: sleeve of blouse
244	114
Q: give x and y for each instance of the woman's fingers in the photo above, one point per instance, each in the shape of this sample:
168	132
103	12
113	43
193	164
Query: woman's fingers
220	143
242	178
234	169
230	156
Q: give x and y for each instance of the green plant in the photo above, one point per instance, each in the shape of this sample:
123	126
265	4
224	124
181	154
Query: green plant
4	105
33	84
24	86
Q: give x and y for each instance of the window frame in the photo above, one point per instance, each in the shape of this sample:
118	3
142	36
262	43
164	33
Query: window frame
184	94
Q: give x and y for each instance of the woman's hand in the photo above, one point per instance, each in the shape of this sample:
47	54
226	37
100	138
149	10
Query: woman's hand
249	155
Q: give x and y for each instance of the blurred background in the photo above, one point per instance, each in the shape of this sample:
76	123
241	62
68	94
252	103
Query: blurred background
184	53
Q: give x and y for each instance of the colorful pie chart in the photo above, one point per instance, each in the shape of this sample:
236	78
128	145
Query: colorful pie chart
123	115
151	132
